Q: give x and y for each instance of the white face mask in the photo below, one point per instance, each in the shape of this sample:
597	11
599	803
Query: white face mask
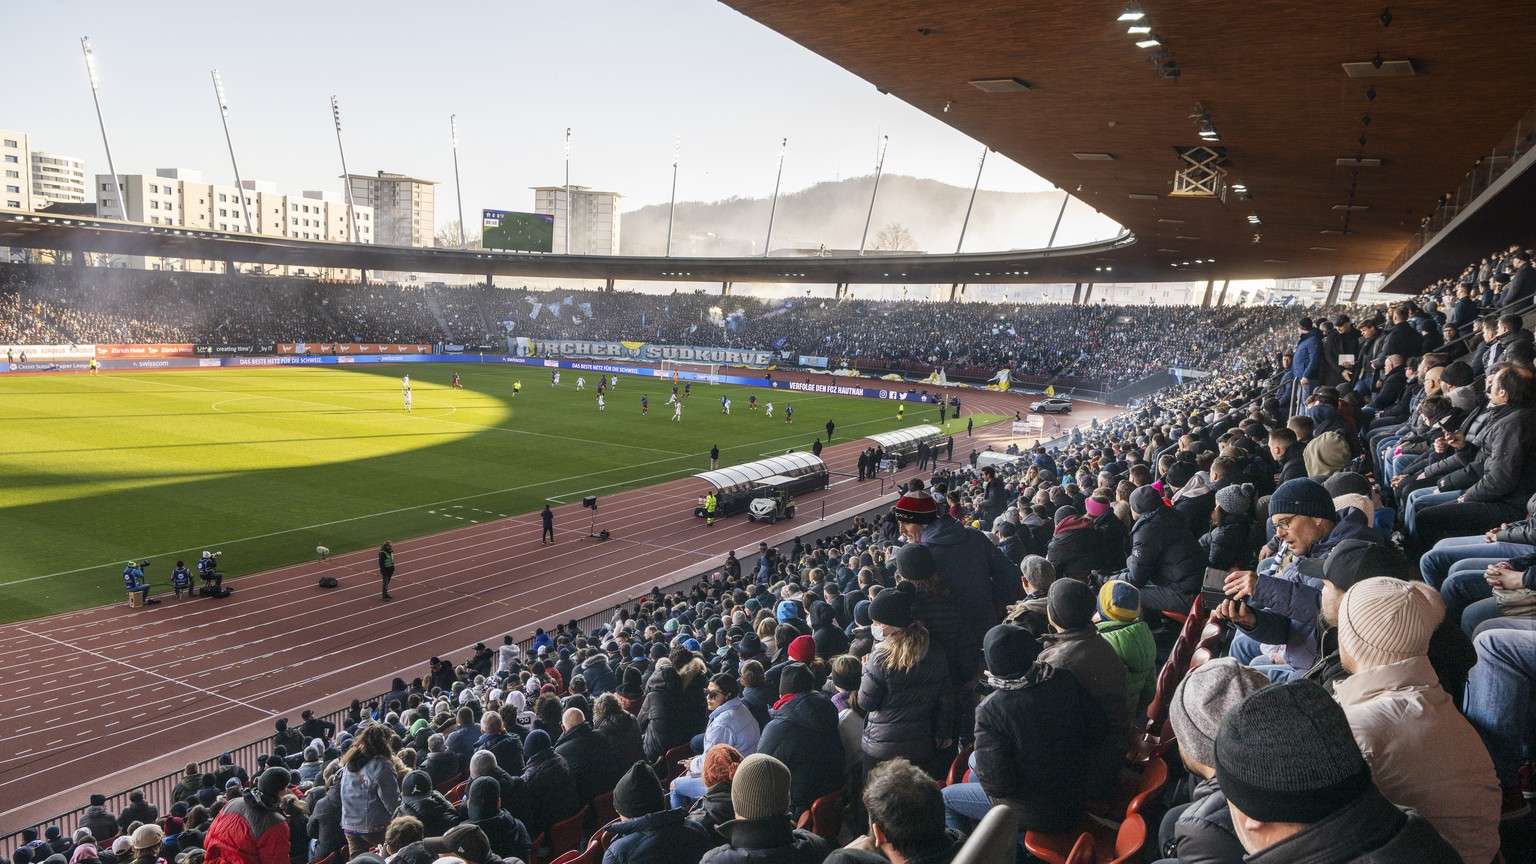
878	632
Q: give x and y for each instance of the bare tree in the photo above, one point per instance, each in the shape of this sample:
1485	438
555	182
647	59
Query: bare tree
894	237
448	236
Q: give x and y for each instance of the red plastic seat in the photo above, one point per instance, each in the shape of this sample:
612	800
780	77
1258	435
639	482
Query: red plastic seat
825	815
456	794
1082	851
329	859
602	805
669	769
562	837
1096	845
452	782
959	767
1154	778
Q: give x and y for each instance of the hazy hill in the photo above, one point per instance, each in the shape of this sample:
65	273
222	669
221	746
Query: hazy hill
833	213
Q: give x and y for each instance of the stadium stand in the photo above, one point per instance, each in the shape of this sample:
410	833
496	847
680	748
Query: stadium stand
1241	626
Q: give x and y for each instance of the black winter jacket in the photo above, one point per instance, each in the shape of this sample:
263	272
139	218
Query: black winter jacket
908	710
1032	740
803	735
1164	552
766	841
325	823
663	718
1113	541
1233	543
1074	548
623	736
434	811
591	761
546	795
1203	833
1502	472
507	749
714	809
658	838
1368	831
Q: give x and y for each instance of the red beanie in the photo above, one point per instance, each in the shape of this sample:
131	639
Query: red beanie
802	649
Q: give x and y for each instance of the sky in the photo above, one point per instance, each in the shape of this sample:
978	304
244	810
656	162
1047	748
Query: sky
629	79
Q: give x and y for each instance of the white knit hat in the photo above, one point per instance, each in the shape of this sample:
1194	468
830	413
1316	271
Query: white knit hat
1384	620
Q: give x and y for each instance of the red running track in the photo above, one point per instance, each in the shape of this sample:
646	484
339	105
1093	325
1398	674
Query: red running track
104	699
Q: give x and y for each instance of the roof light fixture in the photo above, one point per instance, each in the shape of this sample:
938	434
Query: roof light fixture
1138	29
1132	13
1151	41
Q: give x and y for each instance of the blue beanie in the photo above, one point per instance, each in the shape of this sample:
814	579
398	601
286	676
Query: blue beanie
538	742
691	644
787	609
1303	497
861	613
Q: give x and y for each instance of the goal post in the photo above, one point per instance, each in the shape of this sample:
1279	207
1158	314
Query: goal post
702	372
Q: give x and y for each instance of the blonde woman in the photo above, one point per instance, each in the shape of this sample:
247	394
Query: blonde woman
905	690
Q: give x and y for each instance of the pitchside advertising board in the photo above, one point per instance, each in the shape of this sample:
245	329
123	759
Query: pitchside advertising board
644	352
517	232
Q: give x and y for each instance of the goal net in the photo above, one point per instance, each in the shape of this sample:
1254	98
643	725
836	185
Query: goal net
709	373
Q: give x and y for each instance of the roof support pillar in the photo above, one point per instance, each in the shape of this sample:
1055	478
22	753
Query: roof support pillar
725	289
1354	295
1077	293
1222	299
1210	288
610	286
1087	292
1333	291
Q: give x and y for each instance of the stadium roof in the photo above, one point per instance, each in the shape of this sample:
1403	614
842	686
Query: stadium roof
1335	129
1295	92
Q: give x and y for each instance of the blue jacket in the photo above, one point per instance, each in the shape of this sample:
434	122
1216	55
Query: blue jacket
657	838
1307	359
980	578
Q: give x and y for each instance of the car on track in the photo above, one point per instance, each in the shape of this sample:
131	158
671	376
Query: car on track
1053	405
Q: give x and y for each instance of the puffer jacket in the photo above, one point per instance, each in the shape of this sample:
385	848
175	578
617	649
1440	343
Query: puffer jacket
695	677
1033	735
766	841
1093	662
658	838
1203	833
908	710
1074	547
101	823
1423	753
507	749
980	578
599	675
1233	543
1164	552
1369	830
590	759
714	809
369	796
950	629
1133	643
419	799
1501	473
663	718
547	793
325	823
803	735
623	736
246	833
1112	544
830	639
509	837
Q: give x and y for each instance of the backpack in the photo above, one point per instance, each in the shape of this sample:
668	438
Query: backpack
328	582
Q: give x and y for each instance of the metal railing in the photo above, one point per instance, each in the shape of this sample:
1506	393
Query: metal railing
1514	145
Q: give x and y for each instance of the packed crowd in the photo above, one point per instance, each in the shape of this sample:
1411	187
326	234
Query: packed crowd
994	640
974	340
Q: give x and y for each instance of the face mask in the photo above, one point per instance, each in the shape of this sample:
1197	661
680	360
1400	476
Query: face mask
878	632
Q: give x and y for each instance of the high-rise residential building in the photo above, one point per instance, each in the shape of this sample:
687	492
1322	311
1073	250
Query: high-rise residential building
404	208
57	179
594	218
15	170
178	196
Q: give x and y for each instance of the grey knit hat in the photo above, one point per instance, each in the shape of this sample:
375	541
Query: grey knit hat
1302	497
1286	754
760	788
1203	698
1236	499
1146	499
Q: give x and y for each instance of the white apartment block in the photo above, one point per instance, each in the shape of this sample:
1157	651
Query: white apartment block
179	197
57	179
15	170
594	218
404	208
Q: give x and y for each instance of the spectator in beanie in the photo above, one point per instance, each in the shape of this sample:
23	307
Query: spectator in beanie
1076	646
547	793
252	829
1201	831
1166	563
762	830
1235	535
906	820
1423	754
803	734
980	578
646	831
714	809
906	691
1034	733
1296	782
508	837
1121	626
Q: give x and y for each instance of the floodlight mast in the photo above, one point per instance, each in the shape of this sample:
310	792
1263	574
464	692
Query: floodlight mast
90	68
218	91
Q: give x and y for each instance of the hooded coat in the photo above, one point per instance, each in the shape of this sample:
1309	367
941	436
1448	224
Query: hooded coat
1074	547
981	579
547	793
1164	552
664	718
622	733
247	831
803	735
325	822
657	838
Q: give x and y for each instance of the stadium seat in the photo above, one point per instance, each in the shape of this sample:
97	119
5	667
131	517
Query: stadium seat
1082	851
669	769
456	794
329	859
562	837
602	809
1154	779
995	839
1121	846
452	782
824	818
959	767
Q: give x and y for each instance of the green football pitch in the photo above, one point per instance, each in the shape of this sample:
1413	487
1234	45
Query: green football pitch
266	464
